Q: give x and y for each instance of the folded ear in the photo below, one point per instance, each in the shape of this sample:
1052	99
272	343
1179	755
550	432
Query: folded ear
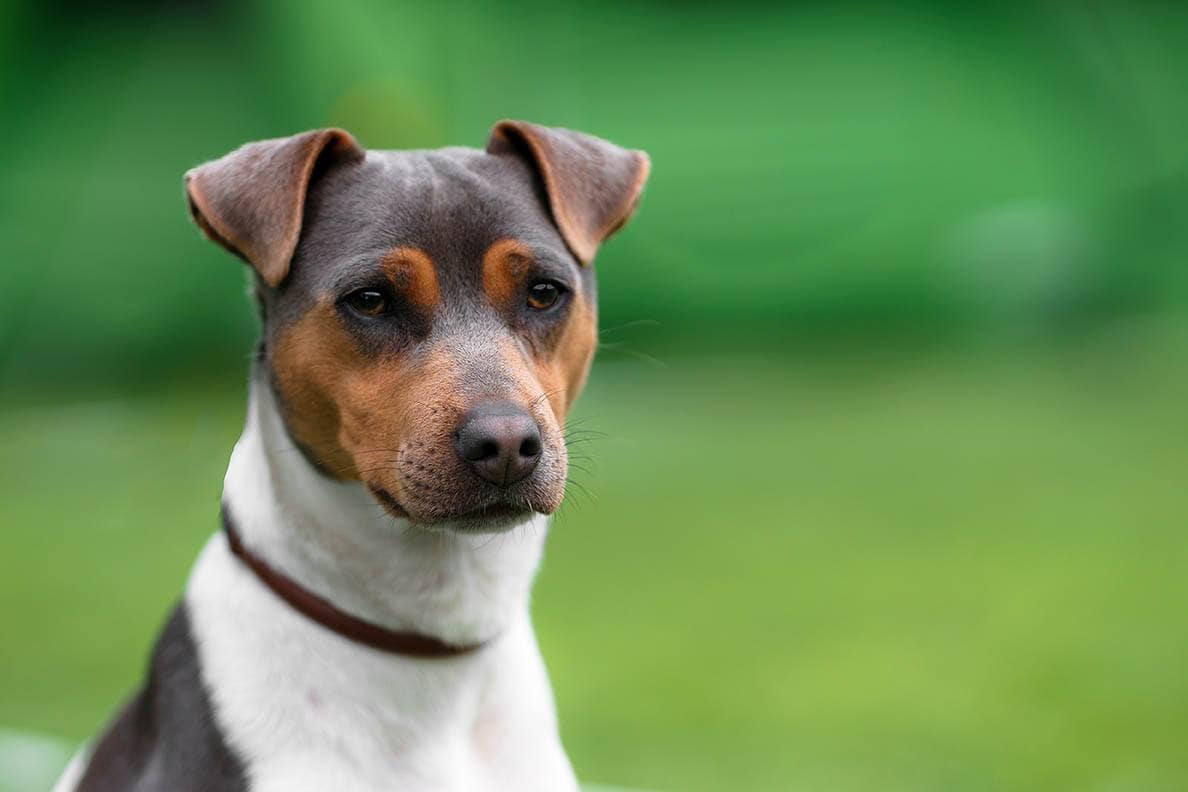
252	200
592	185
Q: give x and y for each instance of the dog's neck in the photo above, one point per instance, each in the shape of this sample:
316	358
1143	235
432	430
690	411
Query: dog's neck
331	537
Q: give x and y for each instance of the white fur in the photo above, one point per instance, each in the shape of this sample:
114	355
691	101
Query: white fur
73	772
310	710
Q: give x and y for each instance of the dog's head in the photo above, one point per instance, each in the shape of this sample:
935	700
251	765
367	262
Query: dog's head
428	316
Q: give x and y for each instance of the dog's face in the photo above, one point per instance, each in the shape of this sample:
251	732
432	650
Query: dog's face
428	317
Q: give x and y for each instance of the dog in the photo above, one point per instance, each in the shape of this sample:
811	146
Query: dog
361	621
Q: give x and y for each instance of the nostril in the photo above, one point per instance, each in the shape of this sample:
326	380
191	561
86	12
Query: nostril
530	447
500	441
479	449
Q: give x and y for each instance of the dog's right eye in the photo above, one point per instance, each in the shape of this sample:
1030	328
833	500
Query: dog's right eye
369	302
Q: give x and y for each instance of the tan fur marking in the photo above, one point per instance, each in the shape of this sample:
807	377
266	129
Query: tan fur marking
505	263
559	373
411	273
350	410
305	359
564	373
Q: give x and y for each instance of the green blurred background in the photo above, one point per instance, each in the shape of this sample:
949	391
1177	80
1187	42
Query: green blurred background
890	482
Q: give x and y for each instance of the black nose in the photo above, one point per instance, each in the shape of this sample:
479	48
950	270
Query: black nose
500	441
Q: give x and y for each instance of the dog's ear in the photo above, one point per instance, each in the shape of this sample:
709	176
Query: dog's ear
252	200
592	185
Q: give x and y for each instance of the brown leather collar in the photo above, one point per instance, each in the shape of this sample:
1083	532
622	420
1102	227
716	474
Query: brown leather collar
314	607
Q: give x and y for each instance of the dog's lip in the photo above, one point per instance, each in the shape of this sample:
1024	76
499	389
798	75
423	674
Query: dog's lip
499	510
388	501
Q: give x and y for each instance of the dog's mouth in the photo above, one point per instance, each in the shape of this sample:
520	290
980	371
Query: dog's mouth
388	501
497	515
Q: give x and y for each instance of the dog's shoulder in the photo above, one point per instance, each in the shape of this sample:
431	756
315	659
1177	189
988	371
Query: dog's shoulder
166	737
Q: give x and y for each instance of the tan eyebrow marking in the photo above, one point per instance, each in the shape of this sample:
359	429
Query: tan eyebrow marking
505	263
411	273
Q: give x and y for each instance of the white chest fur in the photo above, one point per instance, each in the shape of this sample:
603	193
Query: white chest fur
310	710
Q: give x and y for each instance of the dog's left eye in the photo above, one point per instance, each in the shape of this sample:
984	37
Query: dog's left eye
369	302
543	295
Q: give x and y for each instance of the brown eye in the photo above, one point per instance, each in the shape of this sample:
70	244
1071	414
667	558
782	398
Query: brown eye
368	302
544	295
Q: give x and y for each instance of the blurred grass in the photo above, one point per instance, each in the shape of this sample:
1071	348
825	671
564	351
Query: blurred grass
948	570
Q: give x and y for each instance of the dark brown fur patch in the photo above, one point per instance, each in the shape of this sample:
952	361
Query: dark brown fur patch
167	737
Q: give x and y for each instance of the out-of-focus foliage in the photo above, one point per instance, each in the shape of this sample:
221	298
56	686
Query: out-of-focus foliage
855	171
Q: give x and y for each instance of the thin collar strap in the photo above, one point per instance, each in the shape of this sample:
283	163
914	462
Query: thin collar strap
320	610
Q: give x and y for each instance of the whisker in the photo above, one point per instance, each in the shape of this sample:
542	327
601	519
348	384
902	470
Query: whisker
645	357
629	325
581	487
